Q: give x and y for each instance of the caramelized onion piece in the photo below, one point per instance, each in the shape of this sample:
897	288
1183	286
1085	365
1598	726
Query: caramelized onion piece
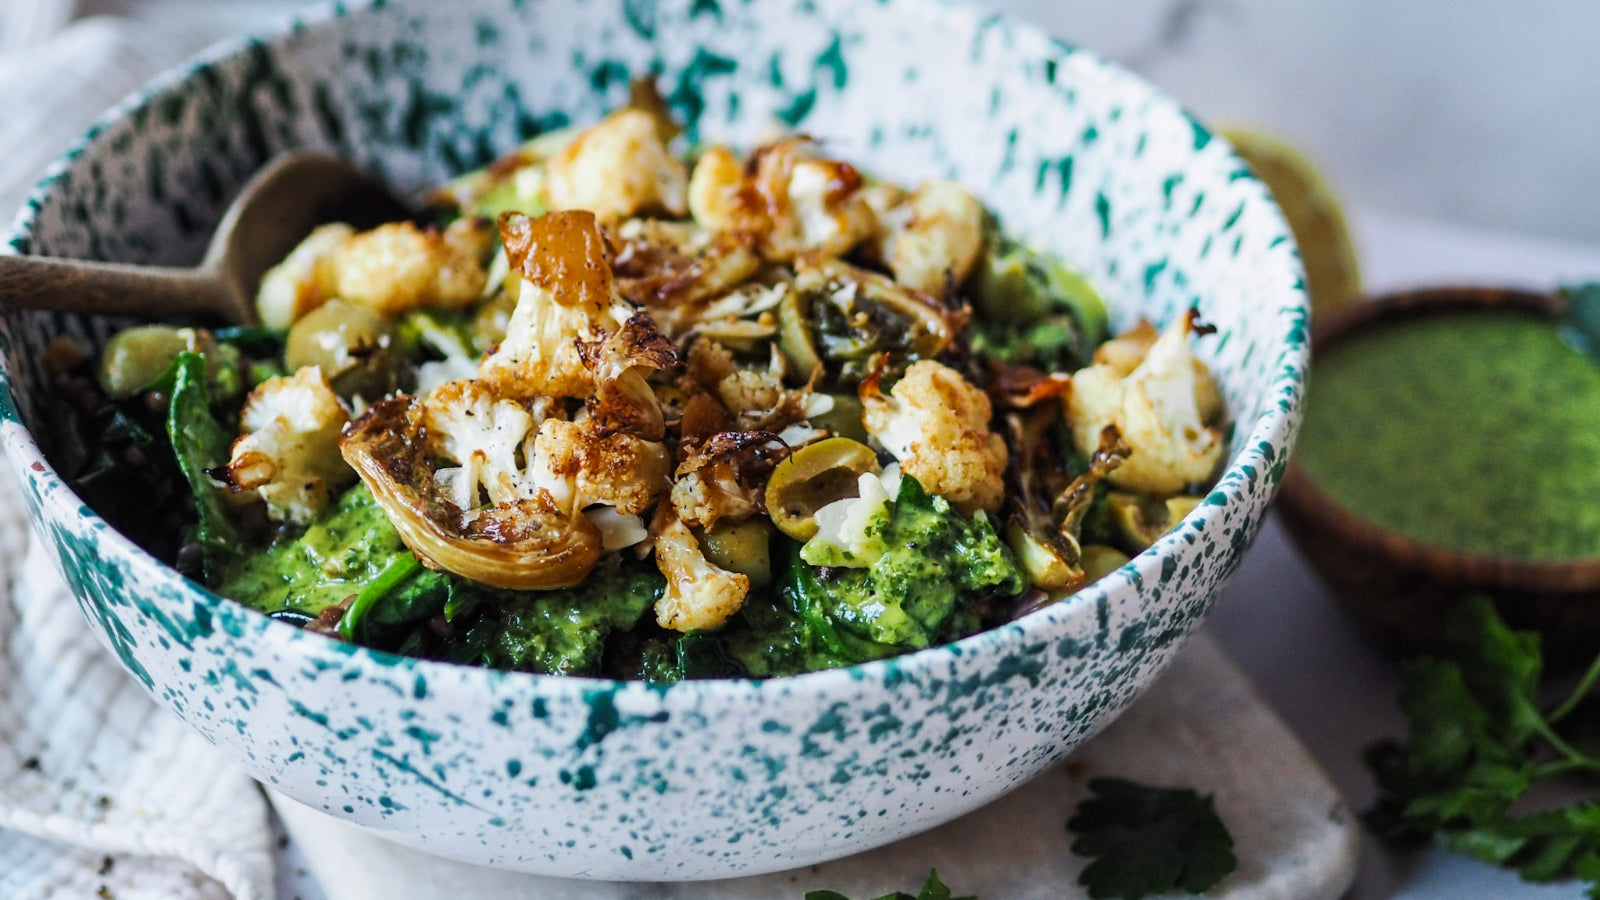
524	545
932	325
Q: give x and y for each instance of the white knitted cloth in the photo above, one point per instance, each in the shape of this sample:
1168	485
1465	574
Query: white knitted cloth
101	792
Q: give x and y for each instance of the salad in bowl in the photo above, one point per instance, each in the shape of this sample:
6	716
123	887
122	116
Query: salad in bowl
620	405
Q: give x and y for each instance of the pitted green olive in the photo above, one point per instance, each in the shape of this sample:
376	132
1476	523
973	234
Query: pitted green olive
1100	560
844	419
811	478
1142	520
742	547
794	336
354	346
136	357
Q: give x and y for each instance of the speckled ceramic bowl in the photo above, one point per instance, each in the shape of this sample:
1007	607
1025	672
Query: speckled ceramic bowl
598	779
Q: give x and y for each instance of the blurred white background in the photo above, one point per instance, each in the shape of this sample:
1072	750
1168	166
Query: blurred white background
1478	112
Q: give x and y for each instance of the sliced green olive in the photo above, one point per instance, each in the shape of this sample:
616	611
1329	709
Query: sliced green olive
1143	520
844	419
742	547
1100	560
354	346
135	358
794	336
811	478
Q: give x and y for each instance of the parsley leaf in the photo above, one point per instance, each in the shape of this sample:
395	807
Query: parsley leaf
1478	741
1581	318
1149	840
932	889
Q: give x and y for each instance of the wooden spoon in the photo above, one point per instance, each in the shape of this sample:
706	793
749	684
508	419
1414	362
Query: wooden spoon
274	211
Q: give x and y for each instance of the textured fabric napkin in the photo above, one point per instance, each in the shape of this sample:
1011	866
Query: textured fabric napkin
102	793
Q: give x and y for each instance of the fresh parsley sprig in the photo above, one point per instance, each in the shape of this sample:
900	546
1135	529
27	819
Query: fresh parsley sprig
1148	840
1479	740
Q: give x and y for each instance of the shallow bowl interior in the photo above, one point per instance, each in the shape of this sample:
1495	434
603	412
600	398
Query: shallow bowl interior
599	779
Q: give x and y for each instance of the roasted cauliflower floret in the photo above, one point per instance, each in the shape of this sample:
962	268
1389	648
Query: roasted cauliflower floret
621	365
931	241
506	449
562	287
937	425
399	267
716	491
714	191
289	450
720	474
582	468
304	280
616	169
789	200
484	436
1161	407
699	595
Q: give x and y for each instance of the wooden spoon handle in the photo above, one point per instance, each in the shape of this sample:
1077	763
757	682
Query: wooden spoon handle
145	292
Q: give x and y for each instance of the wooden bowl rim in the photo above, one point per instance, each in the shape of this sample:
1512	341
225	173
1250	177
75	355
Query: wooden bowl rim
1320	514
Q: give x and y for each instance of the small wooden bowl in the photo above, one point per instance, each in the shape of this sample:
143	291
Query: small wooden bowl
1398	587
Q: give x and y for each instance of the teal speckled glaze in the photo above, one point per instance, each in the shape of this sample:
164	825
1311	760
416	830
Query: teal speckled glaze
589	778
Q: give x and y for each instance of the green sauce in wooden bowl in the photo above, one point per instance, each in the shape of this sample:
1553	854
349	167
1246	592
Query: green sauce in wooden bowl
1475	430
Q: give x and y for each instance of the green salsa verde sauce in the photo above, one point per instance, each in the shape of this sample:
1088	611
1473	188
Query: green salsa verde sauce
1474	431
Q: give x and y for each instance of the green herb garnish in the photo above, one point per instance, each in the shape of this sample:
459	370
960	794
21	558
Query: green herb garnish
1580	321
1479	741
1147	840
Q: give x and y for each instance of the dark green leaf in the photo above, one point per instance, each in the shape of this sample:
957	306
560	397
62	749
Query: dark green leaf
1581	325
1478	743
934	889
1501	667
389	589
201	444
1147	840
257	341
